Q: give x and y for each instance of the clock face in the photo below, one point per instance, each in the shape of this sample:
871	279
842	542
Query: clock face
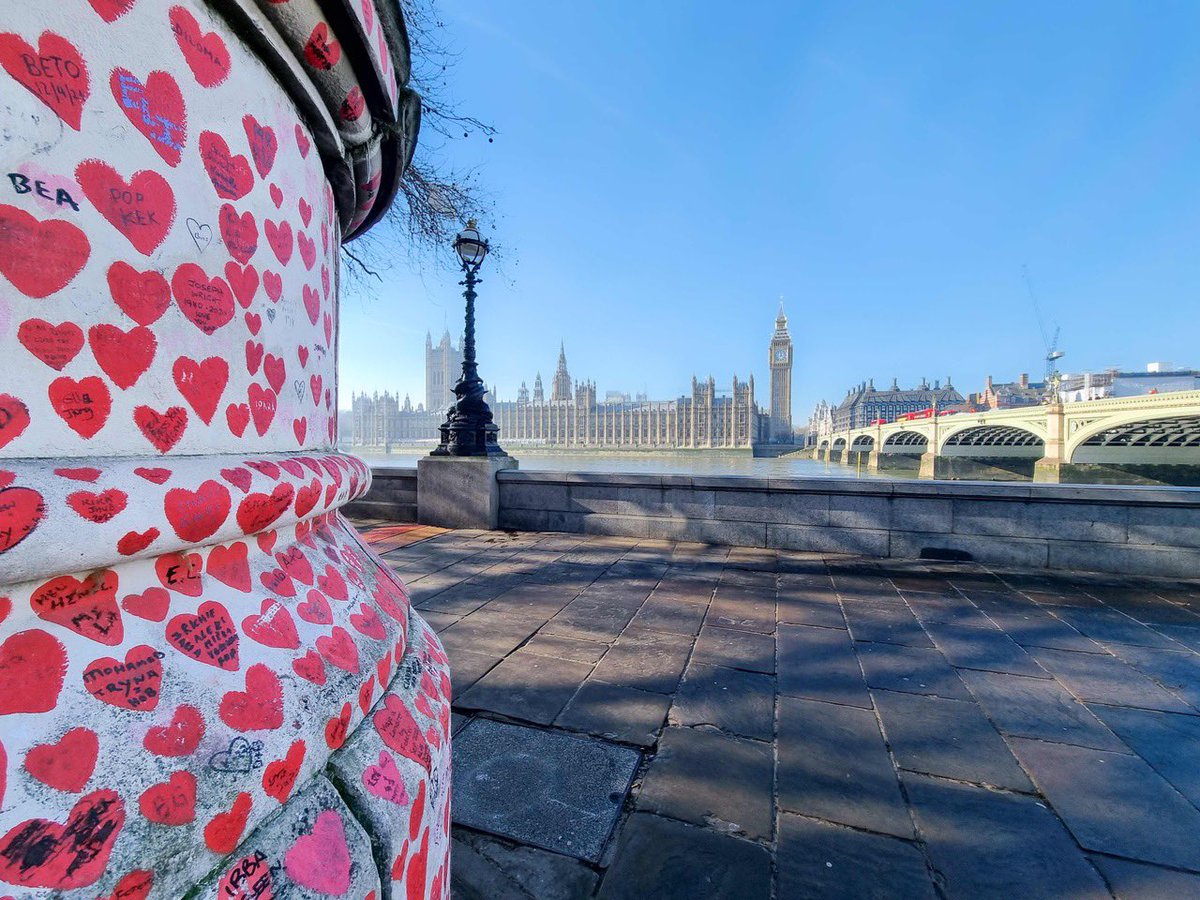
781	355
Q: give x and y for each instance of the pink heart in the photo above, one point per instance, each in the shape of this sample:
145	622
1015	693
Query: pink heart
384	780
321	860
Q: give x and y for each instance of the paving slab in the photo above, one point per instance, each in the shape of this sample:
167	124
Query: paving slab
986	843
952	738
668	860
818	859
1110	626
1038	708
884	623
833	765
708	778
616	712
1115	803
1097	678
732	700
467	667
951	609
820	664
528	687
1177	670
562	646
989	649
646	660
670	615
914	670
805	605
1138	881
736	649
487	869
556	791
1169	742
750	609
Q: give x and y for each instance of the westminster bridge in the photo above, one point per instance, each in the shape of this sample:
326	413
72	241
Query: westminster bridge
1084	441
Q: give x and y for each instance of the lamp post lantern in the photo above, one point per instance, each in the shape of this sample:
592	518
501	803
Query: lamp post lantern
469	429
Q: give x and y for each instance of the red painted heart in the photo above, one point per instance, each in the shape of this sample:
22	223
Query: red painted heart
153	603
98	506
180	737
279	236
196	515
201	383
21	511
54	72
84	404
39	257
143	296
207	636
230	175
123	355
155	108
68	764
272	627
142	208
262	407
172	802
44	854
230	565
164	429
87	606
263	144
243	282
206	302
134	684
259	707
239	232
55	345
204	52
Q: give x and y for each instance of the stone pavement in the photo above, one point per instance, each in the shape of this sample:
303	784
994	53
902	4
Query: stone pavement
655	719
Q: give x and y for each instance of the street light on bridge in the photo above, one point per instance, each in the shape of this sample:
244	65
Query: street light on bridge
469	429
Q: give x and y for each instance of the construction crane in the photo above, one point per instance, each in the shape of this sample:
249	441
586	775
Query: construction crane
1052	378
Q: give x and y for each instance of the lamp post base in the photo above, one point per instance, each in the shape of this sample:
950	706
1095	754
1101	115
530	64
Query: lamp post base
460	491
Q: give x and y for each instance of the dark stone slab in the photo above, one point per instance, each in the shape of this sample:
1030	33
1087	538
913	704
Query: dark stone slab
646	660
588	619
667	860
952	738
616	712
527	686
1035	627
439	621
546	788
487	869
750	609
833	765
985	843
1115	803
713	779
1169	742
819	663
1138	881
1177	670
952	609
1097	678
1110	626
804	605
989	649
467	667
1187	635
886	623
562	646
1037	708
817	859
669	615
914	670
484	632
729	699
736	649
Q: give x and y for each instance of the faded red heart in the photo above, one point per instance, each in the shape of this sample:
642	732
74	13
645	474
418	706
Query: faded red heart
54	72
21	511
337	728
400	731
315	609
259	511
153	603
230	175
123	355
87	606
310	667
180	737
339	650
279	777
207	635
206	302
39	257
164	429
201	383
55	345
142	208
204	52
68	764
196	515
279	236
143	296
230	565
272	627
136	541
42	853
172	802
154	108
259	707
237	416
155	475
239	232
263	144
133	684
98	507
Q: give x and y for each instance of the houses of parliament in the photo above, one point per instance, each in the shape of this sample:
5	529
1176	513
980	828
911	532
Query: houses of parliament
575	417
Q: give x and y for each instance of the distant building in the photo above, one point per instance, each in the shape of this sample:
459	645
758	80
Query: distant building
820	424
443	365
573	417
1010	394
863	404
780	360
1159	378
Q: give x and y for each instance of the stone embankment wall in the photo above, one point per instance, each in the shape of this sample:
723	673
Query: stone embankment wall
1131	530
393	496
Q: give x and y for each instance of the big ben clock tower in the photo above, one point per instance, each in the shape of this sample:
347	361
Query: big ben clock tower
781	381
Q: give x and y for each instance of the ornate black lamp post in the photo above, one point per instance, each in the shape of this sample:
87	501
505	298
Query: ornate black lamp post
468	429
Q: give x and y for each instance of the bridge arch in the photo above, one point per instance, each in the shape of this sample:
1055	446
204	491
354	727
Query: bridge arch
991	440
1163	440
905	442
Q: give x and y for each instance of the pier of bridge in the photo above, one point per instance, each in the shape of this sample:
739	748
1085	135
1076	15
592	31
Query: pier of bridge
1152	437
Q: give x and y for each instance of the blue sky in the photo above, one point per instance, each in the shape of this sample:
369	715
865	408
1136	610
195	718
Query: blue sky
664	171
